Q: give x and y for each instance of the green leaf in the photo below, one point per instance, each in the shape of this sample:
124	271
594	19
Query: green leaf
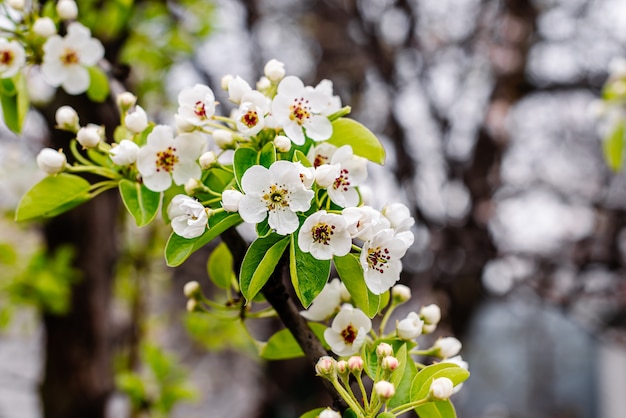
260	262
385	415
421	384
437	409
308	274
403	386
15	101
140	201
282	345
613	147
313	413
299	156
363	141
98	89
178	249
243	159
220	266
51	196
267	156
7	87
351	274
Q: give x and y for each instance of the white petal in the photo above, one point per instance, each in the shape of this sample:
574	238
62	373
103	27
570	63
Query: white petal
294	132
184	171
283	221
91	53
76	79
256	179
158	182
252	208
318	128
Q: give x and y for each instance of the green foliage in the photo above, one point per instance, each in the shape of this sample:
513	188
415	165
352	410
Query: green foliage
420	389
15	101
260	262
308	274
313	413
243	159
166	380
613	147
220	267
52	196
217	333
282	345
363	141
98	89
141	202
350	272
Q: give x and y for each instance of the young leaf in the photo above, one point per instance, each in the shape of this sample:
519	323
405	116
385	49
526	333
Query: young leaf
351	274
403	386
437	409
282	345
178	249
15	101
98	89
243	159
52	196
267	156
308	274
220	266
313	413
421	384
613	147
259	263
363	141
140	201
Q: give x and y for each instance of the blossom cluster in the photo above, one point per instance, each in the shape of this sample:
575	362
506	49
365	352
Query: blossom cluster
64	60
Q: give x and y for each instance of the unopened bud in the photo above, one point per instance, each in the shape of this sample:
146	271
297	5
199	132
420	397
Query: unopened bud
137	120
192	289
282	143
44	27
17	4
67	119
90	136
67	9
274	70
431	314
223	138
329	413
429	328
51	161
385	390
231	199
355	364
447	347
401	293
192	305
126	100
384	350
264	83
207	160
326	367
225	81
441	388
390	363
193	186
342	366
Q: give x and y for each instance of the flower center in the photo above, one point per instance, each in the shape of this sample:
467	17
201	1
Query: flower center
319	160
6	57
199	109
276	197
250	118
322	233
377	258
300	110
166	160
69	57
349	334
343	181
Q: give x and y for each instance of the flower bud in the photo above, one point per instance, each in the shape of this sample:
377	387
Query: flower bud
329	413
67	9
282	143
90	136
207	160
447	347
125	153
237	87
17	4
390	363
431	314
326	367
428	328
342	366
44	27
231	199
126	100
355	364
192	289
67	119
192	305
263	84
193	186
183	125
441	388
384	350
400	293
223	138
225	81
51	161
137	120
385	390
274	70
410	327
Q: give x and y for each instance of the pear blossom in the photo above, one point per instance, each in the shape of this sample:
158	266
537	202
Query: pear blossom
307	174
441	388
380	259
189	217
90	136
51	161
401	221
67	9
297	110
165	157
341	184
250	117
276	193
136	121
332	103
125	153
274	70
12	57
326	303
410	327
44	27
348	331
324	235
196	105
66	118
65	58
364	222
231	200
237	87
321	154
447	347
431	314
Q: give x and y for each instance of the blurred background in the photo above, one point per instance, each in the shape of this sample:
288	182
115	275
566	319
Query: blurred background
488	112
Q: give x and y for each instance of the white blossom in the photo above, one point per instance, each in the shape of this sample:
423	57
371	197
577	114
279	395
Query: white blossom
332	102
51	161
67	9
136	121
165	157
223	138
276	193
17	4
348	331
363	222
321	154
324	235
125	153
126	100
410	327
352	171
250	116
44	27
207	159
188	216
380	259
326	303
12	57
237	87
65	58
196	105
